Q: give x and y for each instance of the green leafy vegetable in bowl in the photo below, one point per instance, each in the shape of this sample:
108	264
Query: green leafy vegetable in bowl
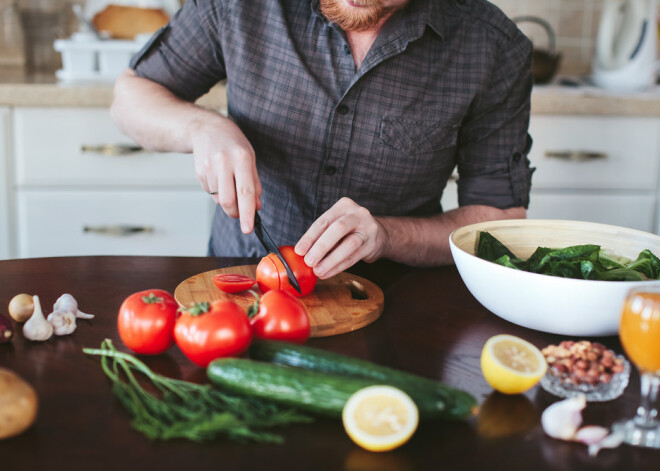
589	262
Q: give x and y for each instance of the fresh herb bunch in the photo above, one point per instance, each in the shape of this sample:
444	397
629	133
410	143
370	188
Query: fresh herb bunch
188	410
589	262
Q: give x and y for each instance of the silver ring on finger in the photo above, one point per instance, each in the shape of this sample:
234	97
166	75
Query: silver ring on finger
213	192
364	239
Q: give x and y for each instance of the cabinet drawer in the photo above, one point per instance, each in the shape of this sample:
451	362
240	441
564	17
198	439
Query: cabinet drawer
59	223
636	211
54	146
618	153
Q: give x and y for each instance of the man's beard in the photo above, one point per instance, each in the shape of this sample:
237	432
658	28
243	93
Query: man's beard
354	19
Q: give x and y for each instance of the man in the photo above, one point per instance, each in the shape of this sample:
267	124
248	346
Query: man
346	116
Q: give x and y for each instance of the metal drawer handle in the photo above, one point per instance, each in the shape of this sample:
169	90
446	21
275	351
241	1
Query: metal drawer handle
576	155
112	149
118	230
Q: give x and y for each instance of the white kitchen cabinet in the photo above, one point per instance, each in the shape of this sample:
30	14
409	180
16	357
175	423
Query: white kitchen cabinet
599	153
112	222
592	168
4	184
596	168
76	146
80	187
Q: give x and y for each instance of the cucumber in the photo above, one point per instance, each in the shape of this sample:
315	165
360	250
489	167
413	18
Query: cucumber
312	391
457	404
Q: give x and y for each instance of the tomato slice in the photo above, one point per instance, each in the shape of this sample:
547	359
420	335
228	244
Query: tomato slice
233	282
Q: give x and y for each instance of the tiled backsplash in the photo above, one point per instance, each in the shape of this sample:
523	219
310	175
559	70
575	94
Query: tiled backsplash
574	22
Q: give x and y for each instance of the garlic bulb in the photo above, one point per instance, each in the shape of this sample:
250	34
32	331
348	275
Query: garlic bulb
66	302
63	322
37	327
562	419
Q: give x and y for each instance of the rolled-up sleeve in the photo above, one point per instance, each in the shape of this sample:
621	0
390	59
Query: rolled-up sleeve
493	144
185	56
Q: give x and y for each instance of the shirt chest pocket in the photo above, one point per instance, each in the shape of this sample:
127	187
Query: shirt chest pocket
417	137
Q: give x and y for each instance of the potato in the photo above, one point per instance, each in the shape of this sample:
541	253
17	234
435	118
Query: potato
18	404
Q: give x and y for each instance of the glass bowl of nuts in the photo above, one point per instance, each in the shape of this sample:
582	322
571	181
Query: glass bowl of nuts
587	368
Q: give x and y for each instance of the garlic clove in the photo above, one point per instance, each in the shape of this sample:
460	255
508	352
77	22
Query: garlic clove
610	441
37	327
591	434
562	419
63	322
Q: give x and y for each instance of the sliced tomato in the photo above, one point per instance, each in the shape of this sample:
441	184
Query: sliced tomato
233	282
271	273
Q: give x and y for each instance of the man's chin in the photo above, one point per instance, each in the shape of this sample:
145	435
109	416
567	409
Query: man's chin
352	15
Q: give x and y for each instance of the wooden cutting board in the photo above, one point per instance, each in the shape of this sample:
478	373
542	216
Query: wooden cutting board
343	303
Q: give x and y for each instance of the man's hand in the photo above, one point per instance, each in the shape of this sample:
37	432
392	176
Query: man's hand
224	159
347	233
342	236
225	166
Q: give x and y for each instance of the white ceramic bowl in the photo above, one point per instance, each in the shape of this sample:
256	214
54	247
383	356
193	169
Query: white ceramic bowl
548	303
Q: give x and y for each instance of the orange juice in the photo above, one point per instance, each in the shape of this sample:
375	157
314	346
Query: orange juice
640	328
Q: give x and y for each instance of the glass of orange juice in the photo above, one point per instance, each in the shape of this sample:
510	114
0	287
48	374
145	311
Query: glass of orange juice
639	332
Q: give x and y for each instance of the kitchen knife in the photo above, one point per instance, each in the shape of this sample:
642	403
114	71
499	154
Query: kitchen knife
270	247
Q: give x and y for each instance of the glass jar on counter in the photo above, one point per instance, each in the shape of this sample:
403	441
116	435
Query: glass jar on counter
12	51
43	21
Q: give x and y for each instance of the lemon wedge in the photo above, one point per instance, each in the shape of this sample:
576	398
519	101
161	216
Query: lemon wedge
380	418
511	365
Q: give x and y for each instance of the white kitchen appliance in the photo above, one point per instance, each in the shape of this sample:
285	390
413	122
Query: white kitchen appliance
627	45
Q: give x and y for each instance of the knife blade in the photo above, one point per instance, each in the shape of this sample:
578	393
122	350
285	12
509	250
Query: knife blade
270	247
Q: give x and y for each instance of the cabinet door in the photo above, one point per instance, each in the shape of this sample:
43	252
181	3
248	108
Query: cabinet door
67	146
5	184
62	222
635	211
605	153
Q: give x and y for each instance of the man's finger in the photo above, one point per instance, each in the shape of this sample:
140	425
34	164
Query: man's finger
345	255
328	240
246	195
226	190
310	237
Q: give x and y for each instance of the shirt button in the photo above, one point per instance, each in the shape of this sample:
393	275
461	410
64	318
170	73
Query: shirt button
347	49
330	170
517	157
342	109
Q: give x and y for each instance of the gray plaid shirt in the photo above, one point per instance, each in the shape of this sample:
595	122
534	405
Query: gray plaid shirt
446	84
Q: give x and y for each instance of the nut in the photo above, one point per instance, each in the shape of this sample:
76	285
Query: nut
582	362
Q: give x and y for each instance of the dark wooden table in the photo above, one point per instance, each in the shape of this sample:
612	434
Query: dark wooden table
431	326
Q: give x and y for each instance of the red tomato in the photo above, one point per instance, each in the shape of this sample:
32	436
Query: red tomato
271	273
212	330
146	321
233	282
281	317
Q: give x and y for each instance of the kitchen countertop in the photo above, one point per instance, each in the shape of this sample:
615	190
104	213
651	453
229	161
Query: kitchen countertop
18	89
431	326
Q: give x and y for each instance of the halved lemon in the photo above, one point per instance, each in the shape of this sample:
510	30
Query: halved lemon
511	365
380	418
